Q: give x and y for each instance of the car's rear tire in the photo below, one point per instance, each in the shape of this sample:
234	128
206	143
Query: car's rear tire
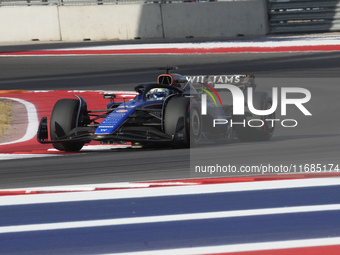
261	101
182	120
63	120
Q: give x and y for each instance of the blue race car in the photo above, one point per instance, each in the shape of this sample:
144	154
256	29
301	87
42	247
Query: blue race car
167	112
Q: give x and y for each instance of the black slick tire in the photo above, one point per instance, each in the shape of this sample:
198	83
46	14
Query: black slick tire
63	120
182	120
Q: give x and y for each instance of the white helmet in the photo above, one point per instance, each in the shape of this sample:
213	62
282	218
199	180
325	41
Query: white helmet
157	94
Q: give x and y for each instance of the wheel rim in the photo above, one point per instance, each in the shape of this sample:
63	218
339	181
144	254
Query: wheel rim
195	124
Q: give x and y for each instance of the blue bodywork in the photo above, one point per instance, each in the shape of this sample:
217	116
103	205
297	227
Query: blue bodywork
118	117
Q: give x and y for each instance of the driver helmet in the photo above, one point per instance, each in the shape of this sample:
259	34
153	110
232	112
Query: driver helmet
157	93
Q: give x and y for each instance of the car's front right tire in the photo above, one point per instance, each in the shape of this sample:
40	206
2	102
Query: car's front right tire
182	121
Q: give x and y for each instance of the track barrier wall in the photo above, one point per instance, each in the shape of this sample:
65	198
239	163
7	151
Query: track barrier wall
29	23
215	19
109	22
125	22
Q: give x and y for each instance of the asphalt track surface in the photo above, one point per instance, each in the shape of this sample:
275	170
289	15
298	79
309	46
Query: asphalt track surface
315	140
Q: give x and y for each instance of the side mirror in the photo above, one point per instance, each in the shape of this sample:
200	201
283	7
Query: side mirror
109	96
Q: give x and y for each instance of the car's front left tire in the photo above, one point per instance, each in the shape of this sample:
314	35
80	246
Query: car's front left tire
63	120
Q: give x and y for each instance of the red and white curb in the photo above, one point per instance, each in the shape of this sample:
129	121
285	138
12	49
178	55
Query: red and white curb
237	183
317	246
32	120
325	43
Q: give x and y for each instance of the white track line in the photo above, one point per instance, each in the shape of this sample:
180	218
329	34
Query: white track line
277	245
259	42
33	122
7	156
167	218
164	191
93	187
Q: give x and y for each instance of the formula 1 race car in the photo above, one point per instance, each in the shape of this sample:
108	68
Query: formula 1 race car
175	111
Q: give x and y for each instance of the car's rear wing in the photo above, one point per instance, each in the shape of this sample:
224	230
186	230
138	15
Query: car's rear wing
237	79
